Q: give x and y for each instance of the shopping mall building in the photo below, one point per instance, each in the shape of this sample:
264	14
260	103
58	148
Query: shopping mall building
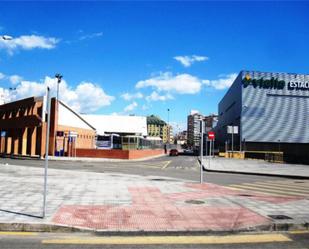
271	111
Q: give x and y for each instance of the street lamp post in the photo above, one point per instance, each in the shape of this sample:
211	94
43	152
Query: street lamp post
168	125
5	38
59	78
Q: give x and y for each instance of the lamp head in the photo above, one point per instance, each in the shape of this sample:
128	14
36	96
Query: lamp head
59	77
7	37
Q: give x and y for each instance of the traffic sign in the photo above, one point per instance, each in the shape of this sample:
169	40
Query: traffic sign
232	129
211	135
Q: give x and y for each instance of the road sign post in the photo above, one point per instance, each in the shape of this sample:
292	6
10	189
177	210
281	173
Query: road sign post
232	130
202	152
211	137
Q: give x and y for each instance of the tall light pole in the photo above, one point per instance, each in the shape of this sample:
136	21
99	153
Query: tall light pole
59	78
168	125
5	38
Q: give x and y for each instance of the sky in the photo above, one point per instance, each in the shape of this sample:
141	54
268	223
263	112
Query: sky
144	58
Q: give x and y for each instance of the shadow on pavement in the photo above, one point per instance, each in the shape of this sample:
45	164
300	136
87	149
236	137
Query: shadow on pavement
20	213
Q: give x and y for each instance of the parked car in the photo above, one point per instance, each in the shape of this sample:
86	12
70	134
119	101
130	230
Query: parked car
188	152
174	152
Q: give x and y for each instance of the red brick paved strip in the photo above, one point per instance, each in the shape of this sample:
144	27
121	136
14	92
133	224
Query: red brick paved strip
151	210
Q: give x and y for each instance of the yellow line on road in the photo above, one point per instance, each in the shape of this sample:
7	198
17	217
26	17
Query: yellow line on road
19	233
299	232
166	164
233	239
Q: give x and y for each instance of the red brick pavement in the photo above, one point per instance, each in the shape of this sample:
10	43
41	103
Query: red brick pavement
151	210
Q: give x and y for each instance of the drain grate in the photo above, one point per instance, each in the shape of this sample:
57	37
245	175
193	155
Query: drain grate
245	195
280	217
196	202
299	182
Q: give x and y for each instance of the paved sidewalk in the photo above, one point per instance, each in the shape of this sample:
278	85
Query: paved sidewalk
259	167
115	202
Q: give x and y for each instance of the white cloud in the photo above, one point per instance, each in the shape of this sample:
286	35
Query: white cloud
130	107
86	97
222	83
154	96
4	96
2	76
178	127
15	79
28	42
145	107
91	36
182	83
91	97
188	60
129	97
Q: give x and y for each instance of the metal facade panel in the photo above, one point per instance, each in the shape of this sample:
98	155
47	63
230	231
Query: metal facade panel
273	115
229	109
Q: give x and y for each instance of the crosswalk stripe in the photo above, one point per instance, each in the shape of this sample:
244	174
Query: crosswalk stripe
259	192
284	185
300	182
255	189
269	186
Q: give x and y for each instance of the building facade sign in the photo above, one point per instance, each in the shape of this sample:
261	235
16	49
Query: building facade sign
274	83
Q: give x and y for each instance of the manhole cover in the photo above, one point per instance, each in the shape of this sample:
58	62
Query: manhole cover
196	202
280	217
158	179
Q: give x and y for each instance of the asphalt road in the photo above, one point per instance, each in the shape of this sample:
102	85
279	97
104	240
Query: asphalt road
78	241
181	167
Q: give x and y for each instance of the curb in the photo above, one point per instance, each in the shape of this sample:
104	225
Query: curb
256	173
92	159
83	159
36	227
252	173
